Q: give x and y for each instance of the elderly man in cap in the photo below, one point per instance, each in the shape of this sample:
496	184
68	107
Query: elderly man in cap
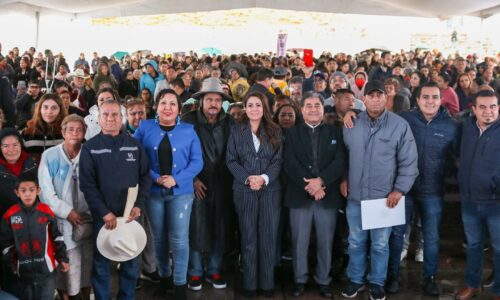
382	164
210	217
111	163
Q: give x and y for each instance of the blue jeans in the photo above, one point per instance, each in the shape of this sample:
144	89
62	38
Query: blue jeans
101	276
478	218
430	209
358	243
169	216
214	262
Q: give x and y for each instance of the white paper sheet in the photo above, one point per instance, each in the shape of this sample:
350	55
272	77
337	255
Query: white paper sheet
376	214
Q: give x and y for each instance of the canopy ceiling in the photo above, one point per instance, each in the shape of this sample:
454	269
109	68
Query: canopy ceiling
120	8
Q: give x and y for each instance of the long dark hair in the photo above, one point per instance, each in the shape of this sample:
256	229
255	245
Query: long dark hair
271	132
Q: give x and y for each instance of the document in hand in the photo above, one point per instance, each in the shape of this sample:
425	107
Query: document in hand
375	214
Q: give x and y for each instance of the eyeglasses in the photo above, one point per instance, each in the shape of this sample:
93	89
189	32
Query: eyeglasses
74	130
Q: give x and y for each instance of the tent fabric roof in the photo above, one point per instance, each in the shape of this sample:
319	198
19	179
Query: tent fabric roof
120	8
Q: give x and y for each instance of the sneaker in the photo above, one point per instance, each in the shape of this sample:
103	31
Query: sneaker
153	276
404	254
195	283
377	292
217	281
352	289
419	255
430	287
326	291
488	282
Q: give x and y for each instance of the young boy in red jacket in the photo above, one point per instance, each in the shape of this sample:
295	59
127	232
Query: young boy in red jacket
31	243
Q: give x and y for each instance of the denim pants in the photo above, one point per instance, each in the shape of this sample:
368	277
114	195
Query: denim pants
477	219
101	278
40	289
358	248
169	216
430	209
214	262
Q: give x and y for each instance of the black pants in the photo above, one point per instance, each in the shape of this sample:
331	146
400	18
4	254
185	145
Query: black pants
42	289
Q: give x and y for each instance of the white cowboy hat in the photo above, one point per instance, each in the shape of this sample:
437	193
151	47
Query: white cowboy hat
123	243
79	73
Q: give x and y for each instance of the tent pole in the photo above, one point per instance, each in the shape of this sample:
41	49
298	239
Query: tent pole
37	33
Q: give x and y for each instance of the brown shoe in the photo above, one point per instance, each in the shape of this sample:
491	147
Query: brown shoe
467	293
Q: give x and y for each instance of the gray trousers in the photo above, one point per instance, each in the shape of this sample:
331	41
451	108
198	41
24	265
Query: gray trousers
148	255
259	214
301	221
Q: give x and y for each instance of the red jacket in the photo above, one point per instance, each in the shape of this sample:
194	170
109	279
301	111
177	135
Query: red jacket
29	236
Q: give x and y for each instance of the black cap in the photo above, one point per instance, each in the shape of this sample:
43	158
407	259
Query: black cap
374	85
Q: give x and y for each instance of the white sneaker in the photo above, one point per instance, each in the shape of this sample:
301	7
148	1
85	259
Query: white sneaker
404	254
419	255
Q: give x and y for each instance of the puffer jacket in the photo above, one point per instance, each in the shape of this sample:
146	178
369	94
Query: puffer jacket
436	141
479	171
382	156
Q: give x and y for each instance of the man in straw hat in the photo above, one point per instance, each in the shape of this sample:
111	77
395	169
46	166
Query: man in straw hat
209	218
111	163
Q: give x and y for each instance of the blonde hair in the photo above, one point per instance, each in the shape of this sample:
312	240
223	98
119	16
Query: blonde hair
73	118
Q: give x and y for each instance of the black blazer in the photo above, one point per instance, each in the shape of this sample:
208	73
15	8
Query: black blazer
243	161
298	164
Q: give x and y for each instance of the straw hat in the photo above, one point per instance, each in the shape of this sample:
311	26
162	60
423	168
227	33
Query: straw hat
123	243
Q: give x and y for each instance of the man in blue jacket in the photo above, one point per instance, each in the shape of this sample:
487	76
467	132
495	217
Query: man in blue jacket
436	135
382	164
479	181
110	163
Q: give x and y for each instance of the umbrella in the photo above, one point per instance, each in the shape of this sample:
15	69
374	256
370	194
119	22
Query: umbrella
119	54
211	51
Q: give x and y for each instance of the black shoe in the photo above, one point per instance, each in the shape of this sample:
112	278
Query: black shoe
217	281
326	291
268	293
249	293
430	287
488	282
392	284
138	284
153	276
352	289
195	283
180	292
165	285
377	292
298	289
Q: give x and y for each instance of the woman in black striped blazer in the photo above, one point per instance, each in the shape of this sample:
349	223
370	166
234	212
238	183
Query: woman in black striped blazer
254	158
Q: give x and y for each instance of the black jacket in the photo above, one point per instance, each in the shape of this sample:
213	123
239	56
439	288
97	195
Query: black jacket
7	103
257	87
31	241
211	215
25	107
243	161
298	164
108	167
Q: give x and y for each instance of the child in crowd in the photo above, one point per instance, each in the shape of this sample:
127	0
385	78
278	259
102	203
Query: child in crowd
31	243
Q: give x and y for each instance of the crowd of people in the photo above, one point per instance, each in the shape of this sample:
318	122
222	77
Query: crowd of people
243	153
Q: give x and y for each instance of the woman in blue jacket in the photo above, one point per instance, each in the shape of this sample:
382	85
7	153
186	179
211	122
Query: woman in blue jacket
174	151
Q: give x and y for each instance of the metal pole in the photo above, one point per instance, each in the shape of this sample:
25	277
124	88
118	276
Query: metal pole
37	21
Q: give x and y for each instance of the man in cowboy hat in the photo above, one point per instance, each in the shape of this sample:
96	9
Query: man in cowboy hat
210	214
81	92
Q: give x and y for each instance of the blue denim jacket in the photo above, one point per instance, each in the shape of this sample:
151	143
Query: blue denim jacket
186	151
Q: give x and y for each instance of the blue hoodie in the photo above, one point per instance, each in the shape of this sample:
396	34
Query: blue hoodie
149	82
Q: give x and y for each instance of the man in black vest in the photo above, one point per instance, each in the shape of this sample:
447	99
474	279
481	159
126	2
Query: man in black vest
314	157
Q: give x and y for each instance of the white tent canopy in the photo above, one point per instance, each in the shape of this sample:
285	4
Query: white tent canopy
120	8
